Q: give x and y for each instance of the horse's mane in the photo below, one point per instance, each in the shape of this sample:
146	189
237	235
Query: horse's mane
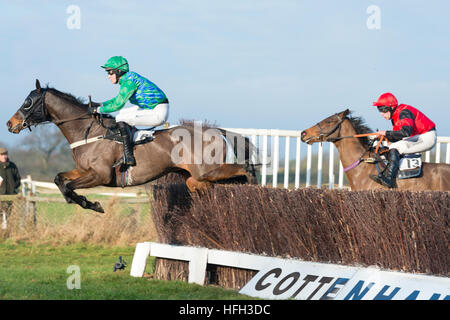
360	127
205	124
68	97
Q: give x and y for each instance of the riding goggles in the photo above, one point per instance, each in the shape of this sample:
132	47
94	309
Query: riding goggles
384	109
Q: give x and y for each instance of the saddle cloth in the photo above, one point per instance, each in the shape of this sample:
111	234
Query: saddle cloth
410	166
143	136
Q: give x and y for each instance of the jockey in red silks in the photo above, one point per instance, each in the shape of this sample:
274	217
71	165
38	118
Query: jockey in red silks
412	132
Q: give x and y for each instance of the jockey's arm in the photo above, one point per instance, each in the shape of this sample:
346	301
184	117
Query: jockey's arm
127	89
404	127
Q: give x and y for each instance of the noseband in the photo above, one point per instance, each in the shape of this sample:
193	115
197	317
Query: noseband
324	136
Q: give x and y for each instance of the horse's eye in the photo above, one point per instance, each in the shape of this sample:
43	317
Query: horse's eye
27	104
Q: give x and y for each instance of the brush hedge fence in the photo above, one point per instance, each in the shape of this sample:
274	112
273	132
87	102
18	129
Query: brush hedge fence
397	230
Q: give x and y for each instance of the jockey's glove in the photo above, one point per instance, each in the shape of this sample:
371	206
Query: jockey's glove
94	108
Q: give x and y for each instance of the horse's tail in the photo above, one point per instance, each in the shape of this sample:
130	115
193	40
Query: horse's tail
247	150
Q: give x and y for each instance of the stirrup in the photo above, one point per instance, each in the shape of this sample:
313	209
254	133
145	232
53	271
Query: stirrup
118	162
122	161
129	161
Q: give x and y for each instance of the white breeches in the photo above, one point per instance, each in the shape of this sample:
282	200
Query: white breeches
136	116
416	144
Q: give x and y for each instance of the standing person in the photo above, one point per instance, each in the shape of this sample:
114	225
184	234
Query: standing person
151	104
9	174
412	132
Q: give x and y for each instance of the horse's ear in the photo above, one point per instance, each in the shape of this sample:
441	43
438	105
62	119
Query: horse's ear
38	86
345	113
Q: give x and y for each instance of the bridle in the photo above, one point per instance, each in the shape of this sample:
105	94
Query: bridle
325	136
33	110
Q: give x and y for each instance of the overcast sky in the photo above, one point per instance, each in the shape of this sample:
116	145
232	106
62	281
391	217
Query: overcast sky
275	64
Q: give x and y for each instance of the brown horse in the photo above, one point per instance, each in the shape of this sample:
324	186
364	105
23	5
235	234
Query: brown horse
340	129
95	160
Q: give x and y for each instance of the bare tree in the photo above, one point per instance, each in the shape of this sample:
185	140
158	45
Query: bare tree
47	141
43	153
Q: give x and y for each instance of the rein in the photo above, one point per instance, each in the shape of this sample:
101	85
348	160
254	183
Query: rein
82	117
325	137
97	118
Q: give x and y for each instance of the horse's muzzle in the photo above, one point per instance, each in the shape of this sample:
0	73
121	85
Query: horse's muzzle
14	125
303	135
306	138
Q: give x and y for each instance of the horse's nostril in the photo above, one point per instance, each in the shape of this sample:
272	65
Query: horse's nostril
9	124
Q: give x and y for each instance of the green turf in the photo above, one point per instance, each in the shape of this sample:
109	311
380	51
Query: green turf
38	271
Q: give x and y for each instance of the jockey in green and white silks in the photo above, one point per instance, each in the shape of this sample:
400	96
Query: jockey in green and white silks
151	106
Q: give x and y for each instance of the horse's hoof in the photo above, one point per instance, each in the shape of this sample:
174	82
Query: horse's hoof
98	207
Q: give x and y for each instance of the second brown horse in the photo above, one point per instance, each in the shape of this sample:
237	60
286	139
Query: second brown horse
340	129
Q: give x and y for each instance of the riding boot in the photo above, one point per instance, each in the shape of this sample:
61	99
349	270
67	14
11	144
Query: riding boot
387	178
129	159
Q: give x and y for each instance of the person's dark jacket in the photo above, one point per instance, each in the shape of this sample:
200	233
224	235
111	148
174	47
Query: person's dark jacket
11	178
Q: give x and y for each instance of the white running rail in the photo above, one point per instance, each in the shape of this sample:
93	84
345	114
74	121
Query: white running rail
283	138
270	141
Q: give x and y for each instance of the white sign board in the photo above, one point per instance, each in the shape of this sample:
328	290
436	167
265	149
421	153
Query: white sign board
319	281
279	278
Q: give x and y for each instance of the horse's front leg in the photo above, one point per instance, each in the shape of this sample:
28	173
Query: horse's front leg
79	180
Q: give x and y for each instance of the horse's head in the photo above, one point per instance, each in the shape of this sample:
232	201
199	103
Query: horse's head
32	111
326	129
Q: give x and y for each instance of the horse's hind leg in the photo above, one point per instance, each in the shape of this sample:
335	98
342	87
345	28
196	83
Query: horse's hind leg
194	185
225	171
78	180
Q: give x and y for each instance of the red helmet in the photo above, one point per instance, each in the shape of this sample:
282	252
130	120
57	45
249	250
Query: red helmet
386	100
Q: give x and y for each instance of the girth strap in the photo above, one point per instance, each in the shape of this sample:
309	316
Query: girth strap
86	141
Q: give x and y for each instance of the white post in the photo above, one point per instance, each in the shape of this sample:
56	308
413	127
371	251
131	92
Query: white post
308	165
438	152
264	164
140	259
427	156
319	166
286	162
4	224
447	155
254	154
275	159
341	175
331	168
297	164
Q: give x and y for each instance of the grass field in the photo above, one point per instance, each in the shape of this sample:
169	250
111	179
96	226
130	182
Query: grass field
34	259
39	271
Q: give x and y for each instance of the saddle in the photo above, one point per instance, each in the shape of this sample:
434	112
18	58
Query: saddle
139	136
